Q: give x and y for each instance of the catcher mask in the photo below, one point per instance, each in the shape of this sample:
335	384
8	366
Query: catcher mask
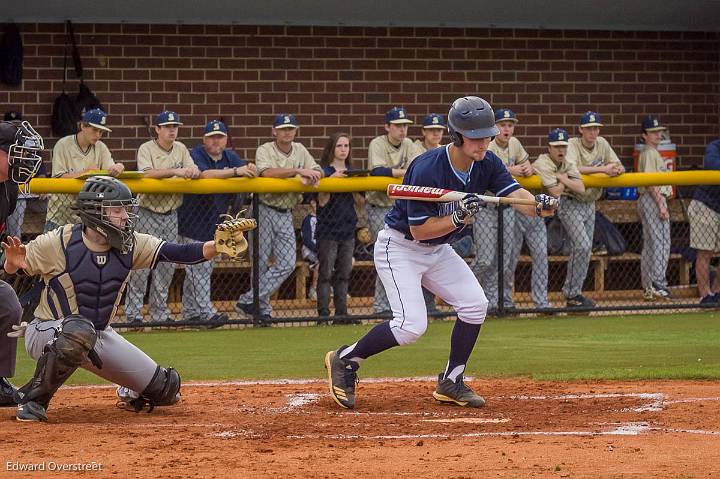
23	146
106	205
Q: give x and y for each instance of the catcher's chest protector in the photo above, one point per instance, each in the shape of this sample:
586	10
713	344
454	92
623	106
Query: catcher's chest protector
97	280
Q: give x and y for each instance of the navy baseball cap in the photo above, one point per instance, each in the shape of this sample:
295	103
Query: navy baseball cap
650	123
168	118
285	120
97	118
397	115
590	118
558	137
215	127
505	114
433	120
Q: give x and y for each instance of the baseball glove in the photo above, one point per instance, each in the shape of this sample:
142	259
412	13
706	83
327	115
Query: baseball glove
229	235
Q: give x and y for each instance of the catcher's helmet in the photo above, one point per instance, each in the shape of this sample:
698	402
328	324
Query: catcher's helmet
98	195
23	146
471	117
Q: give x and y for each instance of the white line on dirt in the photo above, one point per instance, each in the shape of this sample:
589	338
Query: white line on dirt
628	429
655	404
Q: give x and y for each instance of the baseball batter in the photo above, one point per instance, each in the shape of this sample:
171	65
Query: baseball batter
654	215
413	250
20	148
592	154
85	268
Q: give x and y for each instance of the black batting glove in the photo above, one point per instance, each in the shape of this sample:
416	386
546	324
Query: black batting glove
545	205
469	206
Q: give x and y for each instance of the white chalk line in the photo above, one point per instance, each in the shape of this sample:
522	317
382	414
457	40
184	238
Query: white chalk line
656	399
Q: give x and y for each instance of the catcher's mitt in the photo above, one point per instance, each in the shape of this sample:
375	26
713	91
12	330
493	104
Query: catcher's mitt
229	237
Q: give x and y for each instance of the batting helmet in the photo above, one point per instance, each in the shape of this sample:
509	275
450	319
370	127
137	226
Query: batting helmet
97	195
471	117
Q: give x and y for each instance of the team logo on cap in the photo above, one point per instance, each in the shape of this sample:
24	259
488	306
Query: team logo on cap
171	117
435	120
102	120
591	118
561	136
401	114
655	122
216	126
286	119
506	114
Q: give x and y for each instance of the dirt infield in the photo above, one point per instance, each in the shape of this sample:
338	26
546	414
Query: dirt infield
293	429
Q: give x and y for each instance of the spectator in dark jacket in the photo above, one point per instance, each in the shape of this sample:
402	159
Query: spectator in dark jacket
335	233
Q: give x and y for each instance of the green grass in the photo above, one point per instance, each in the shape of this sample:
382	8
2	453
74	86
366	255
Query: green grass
682	346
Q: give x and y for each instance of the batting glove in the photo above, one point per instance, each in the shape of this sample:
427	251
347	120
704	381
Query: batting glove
545	205
469	206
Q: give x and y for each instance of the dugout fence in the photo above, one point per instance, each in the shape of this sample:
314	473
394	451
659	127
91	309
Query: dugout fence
277	282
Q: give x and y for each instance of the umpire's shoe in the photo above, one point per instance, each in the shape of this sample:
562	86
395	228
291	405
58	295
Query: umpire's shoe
456	392
7	391
31	411
342	377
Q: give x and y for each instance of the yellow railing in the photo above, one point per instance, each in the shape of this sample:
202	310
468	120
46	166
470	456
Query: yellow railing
374	183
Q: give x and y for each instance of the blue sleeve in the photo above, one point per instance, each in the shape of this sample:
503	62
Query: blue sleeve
200	158
502	182
418	212
191	253
306	233
381	171
712	156
328	171
234	160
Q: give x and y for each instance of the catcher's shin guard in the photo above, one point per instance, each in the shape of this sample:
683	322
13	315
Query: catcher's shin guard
163	390
61	357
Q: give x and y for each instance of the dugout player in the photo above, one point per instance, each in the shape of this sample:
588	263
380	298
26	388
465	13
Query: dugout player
592	154
85	268
485	232
413	250
20	148
75	155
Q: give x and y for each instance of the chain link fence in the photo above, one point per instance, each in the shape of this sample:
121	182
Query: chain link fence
312	263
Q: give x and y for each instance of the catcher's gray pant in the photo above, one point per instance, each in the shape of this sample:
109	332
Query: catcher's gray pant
10	313
16	220
277	238
485	265
376	223
164	227
122	362
532	229
196	301
578	219
656	244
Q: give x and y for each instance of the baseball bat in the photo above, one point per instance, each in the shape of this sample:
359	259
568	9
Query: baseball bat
430	193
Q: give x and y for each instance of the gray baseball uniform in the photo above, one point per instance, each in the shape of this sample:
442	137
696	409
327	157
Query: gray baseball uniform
656	232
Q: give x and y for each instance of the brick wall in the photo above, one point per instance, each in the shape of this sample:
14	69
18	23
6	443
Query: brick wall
345	78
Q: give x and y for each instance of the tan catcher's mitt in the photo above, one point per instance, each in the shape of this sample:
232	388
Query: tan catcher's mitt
230	237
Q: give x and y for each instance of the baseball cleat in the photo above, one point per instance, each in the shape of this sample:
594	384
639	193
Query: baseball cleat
31	412
342	378
457	393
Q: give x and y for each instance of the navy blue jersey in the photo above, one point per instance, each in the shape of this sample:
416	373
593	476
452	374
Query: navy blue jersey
199	214
433	168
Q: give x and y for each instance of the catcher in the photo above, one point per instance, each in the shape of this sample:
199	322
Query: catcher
85	268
